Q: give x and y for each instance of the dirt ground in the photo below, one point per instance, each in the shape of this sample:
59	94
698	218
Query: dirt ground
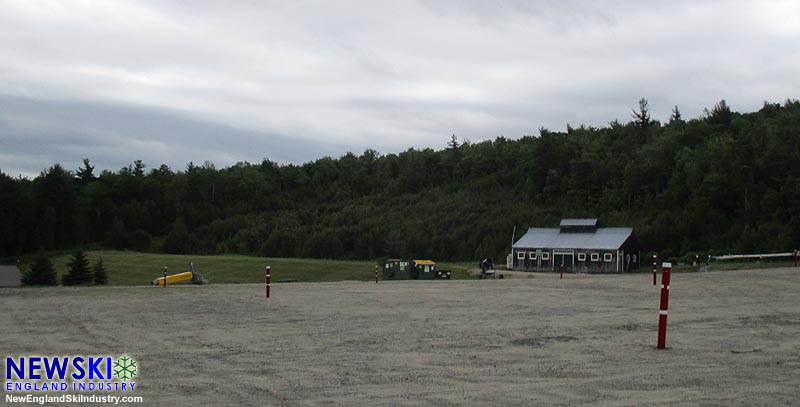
733	339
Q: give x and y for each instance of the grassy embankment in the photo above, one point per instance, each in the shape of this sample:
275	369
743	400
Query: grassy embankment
132	268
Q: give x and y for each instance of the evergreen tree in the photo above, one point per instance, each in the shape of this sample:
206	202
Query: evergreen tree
675	116
138	168
720	115
643	115
85	174
79	272
41	273
100	274
453	156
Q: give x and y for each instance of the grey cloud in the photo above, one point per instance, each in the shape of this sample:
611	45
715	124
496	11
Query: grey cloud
563	14
35	134
325	77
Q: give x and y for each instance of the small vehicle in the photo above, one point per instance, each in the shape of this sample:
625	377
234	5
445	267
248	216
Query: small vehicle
487	269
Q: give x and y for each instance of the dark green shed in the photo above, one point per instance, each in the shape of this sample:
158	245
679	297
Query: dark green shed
396	269
425	269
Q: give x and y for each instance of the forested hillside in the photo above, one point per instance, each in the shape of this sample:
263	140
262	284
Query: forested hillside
725	182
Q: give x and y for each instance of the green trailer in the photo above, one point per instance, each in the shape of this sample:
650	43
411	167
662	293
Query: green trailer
425	269
397	269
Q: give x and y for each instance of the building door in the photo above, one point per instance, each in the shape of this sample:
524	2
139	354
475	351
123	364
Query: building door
568	259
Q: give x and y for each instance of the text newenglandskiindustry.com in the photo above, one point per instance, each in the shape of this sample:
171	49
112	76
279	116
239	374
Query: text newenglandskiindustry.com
72	398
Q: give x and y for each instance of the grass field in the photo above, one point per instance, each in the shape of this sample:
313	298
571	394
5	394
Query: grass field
132	268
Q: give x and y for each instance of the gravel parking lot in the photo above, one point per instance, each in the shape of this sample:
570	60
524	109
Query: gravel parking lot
733	339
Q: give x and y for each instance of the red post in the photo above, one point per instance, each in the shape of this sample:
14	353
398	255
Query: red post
662	313
165	276
267	281
655	259
561	269
376	274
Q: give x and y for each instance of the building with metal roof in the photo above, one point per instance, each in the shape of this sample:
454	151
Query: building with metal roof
10	276
580	245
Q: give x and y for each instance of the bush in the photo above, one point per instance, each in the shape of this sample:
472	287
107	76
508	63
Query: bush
41	273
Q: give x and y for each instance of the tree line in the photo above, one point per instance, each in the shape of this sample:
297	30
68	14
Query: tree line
723	182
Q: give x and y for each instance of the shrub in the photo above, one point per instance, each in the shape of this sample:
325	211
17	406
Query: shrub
41	273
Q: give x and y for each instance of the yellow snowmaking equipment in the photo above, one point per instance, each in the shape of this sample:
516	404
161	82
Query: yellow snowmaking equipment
191	274
172	279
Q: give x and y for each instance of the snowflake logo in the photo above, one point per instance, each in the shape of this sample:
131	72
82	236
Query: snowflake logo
124	368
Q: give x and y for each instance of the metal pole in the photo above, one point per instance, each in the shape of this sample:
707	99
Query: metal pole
268	281
165	276
655	260
663	310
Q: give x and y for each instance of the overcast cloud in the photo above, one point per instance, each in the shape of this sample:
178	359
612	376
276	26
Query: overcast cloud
172	81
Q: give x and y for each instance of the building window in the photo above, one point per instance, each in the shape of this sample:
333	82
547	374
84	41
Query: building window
521	255
608	257
581	256
634	258
533	255
545	255
595	257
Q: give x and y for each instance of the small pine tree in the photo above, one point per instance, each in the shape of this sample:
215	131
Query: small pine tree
100	274
79	272
41	273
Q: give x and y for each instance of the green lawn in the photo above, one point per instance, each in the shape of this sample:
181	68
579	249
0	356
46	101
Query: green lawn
132	268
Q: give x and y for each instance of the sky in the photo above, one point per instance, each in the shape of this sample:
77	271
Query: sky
169	82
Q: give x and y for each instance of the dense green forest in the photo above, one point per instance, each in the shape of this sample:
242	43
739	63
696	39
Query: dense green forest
724	182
